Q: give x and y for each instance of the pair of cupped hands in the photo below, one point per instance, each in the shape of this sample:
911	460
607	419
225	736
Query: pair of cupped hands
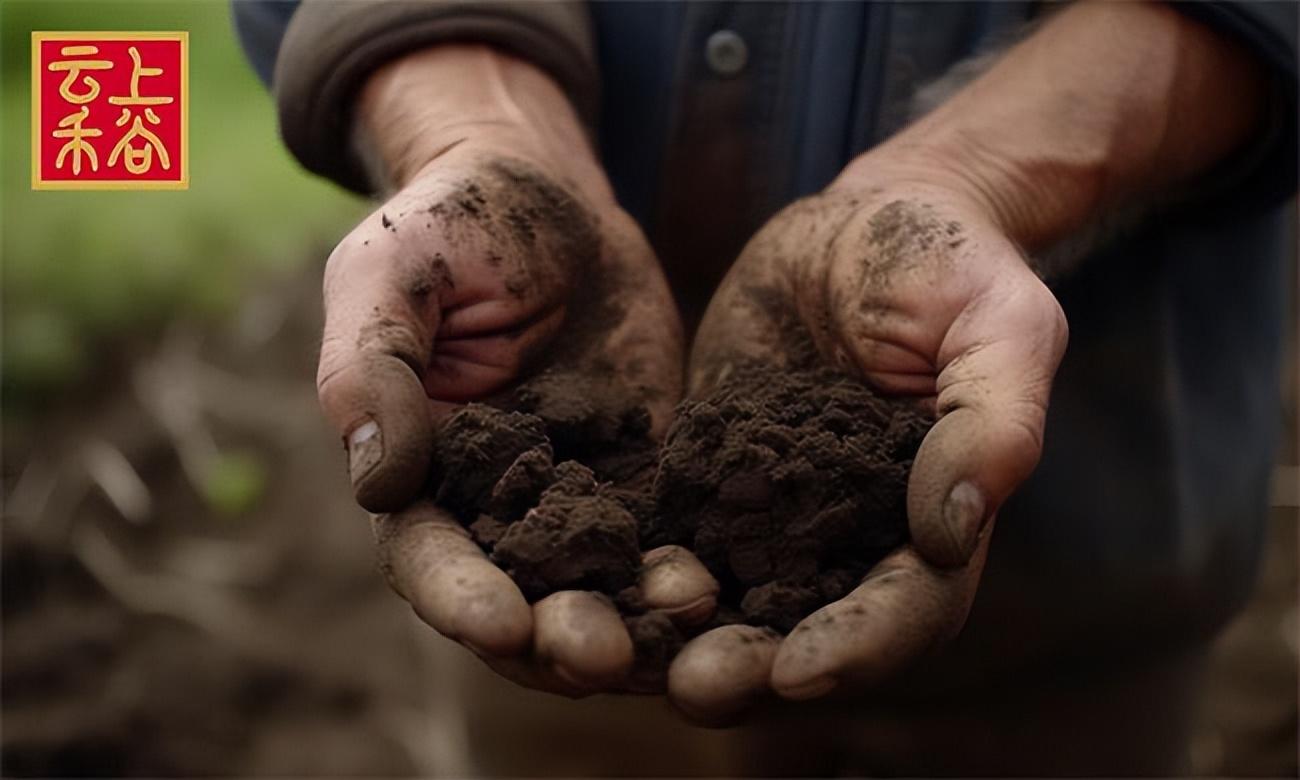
503	253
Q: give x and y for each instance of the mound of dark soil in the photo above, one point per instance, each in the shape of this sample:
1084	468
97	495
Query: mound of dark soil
788	486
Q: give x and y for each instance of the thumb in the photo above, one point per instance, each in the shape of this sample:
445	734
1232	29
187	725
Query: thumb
377	342
996	364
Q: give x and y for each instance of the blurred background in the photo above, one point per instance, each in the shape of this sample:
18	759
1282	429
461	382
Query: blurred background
187	586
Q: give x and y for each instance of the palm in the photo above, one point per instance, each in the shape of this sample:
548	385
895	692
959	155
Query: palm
491	279
916	294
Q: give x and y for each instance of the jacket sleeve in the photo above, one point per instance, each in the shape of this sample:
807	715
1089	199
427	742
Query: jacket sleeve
323	50
1265	173
260	25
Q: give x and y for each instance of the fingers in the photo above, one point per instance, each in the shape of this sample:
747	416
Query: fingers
903	609
581	638
998	360
528	673
581	641
431	562
414	312
475	356
377	341
720	674
674	580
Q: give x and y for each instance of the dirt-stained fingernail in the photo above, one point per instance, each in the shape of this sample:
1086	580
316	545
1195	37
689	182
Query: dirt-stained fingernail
365	449
569	677
676	582
963	514
814	688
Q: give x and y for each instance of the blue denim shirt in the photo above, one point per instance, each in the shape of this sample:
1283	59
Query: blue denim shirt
1142	527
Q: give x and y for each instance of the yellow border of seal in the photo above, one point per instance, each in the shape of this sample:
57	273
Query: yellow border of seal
110	184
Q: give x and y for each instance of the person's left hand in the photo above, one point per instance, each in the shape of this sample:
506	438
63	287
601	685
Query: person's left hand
911	285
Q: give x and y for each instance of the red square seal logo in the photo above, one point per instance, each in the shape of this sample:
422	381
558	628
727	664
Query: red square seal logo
110	110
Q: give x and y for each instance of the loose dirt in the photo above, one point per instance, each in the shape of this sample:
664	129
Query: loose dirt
788	486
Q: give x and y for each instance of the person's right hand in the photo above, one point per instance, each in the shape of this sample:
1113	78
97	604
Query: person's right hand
503	252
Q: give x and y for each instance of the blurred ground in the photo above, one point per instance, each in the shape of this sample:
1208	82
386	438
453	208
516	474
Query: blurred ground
146	634
185	585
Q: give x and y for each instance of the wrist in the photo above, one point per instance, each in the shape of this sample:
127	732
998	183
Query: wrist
1035	205
926	171
476	100
1105	105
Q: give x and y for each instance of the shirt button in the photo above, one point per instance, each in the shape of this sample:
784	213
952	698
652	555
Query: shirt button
726	53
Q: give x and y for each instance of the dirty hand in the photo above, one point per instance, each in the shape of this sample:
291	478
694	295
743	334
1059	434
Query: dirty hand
501	253
915	288
907	272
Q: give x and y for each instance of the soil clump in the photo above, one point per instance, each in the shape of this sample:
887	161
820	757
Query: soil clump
788	486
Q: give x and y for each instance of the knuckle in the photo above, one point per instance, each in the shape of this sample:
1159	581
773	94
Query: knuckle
1026	430
1048	316
399	338
1060	327
1022	434
343	258
332	362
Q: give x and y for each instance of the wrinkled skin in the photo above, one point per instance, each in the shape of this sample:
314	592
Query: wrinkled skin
483	269
1052	138
914	289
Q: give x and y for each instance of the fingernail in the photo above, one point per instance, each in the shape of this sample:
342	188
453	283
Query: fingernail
814	688
694	613
660	555
569	677
674	581
365	449
963	514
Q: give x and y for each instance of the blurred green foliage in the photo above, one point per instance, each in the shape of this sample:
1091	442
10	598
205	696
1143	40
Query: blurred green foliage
235	482
87	272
